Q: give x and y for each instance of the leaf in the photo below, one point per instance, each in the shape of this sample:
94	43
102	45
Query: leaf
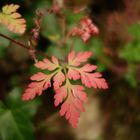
76	60
36	88
132	47
50	27
73	97
85	72
47	64
58	79
93	80
129	50
134	30
73	74
60	95
88	68
43	81
15	117
11	19
85	29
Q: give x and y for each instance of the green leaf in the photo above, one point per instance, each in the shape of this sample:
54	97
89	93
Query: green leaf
50	27
73	18
15	117
53	50
131	76
134	30
96	46
131	50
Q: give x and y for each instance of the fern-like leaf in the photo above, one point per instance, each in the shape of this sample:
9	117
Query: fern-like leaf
73	98
12	19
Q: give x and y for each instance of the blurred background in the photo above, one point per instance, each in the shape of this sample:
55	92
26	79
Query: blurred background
113	114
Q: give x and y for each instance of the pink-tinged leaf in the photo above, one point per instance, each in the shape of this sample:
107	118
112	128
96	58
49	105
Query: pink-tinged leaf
98	81
88	68
84	36
85	80
71	56
47	64
73	97
85	29
55	61
11	19
38	77
36	88
73	74
79	105
78	92
58	79
87	76
64	108
71	113
15	15
60	95
94	80
76	60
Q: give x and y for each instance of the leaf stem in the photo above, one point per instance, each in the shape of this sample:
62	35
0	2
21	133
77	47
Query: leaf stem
22	45
14	41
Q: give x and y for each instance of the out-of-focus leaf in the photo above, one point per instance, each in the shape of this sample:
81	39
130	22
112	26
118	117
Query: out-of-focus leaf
11	19
72	17
131	50
131	54
54	38
79	45
50	26
53	50
15	117
96	46
101	67
131	77
135	30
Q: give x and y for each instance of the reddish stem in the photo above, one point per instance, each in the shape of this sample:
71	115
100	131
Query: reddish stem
14	41
22	45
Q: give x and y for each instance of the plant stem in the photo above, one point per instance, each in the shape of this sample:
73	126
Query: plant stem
14	41
22	45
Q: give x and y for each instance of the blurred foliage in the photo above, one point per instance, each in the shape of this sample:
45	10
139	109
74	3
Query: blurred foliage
16	116
131	50
130	53
116	52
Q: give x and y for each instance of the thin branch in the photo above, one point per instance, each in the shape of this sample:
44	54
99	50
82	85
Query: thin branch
22	45
14	41
26	47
